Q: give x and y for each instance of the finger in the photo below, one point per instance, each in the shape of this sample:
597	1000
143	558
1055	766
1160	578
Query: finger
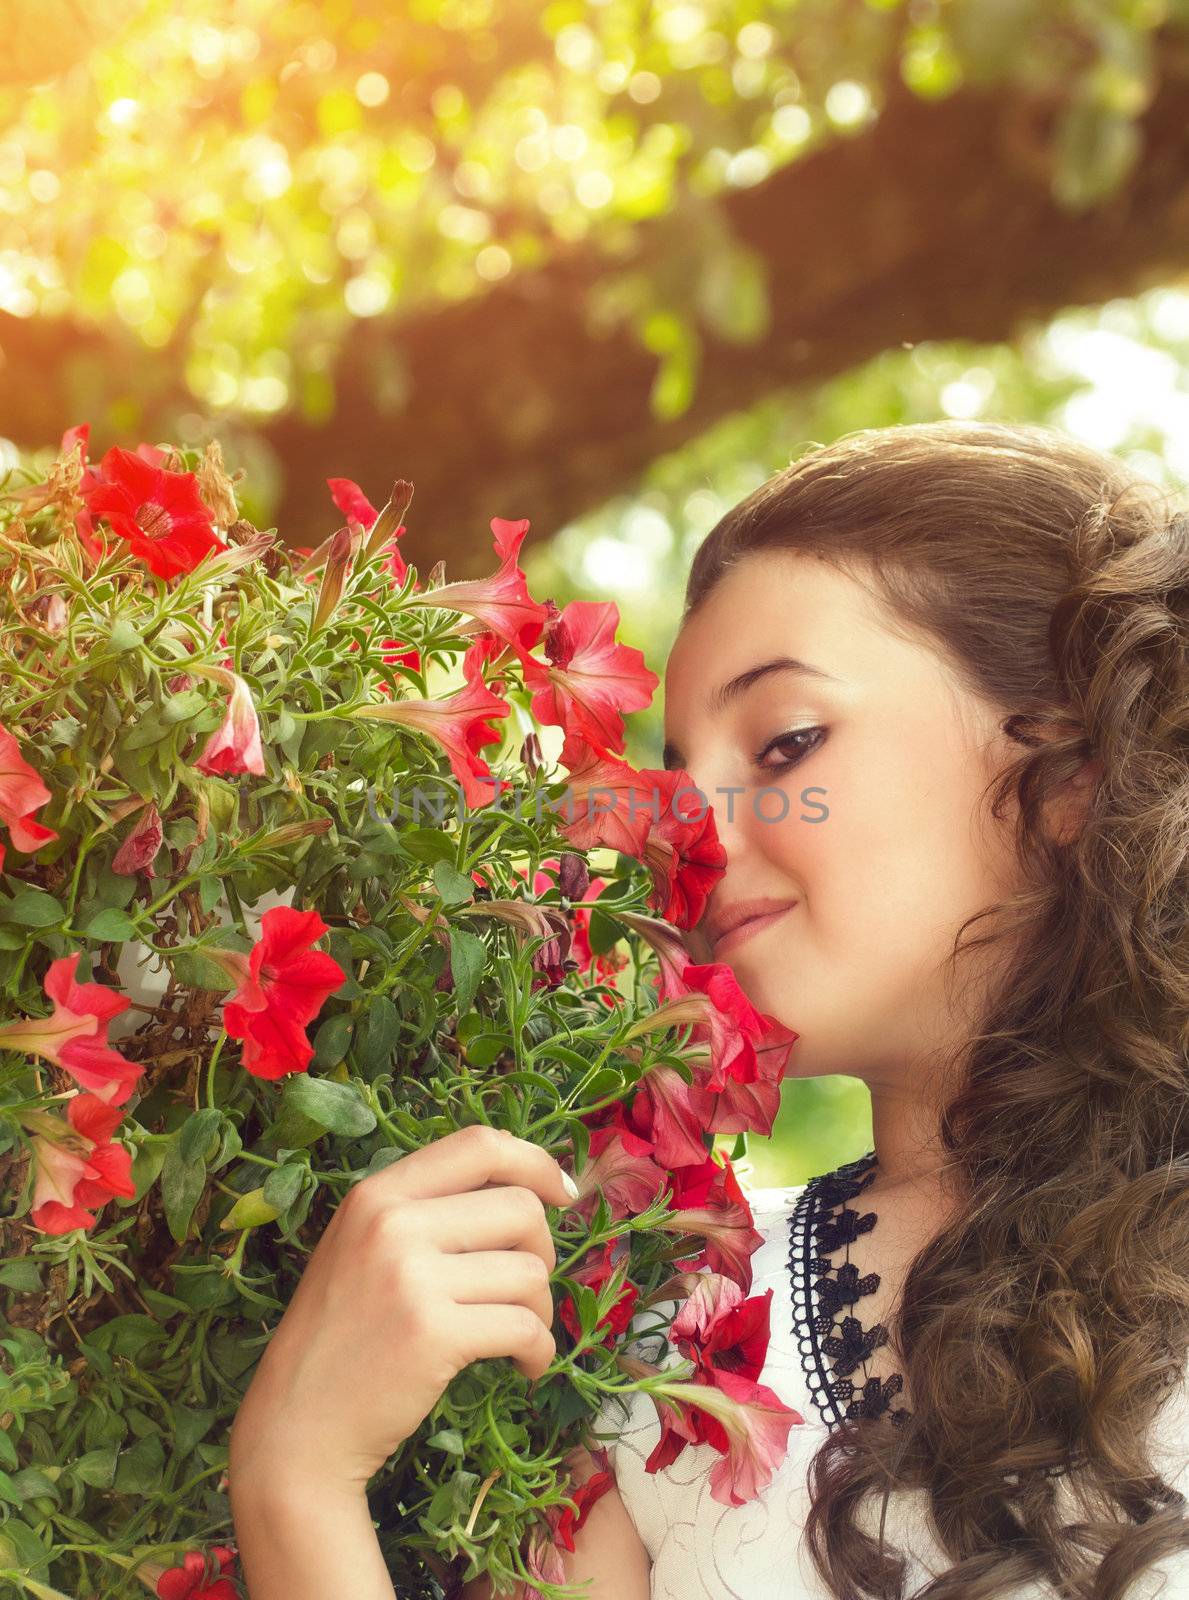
483	1277
511	1218
466	1160
484	1331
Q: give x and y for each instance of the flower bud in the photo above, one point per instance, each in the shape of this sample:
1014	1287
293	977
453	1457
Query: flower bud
573	876
250	1210
140	848
390	518
334	578
291	832
531	755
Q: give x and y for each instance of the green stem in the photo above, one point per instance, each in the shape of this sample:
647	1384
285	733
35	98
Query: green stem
210	1071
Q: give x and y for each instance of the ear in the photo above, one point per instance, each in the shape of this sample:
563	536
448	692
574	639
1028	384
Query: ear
1070	804
1066	807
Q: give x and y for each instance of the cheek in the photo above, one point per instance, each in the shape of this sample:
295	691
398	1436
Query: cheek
893	868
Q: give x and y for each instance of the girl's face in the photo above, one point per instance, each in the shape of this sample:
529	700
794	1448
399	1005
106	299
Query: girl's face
853	789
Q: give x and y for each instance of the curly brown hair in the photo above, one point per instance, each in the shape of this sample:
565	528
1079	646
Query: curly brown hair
1041	1330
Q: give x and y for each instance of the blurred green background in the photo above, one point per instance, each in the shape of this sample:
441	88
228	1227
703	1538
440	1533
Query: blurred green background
605	266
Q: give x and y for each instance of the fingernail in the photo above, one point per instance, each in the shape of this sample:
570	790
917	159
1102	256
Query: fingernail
570	1186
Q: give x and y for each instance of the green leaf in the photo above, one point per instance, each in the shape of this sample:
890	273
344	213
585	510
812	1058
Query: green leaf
64	732
113	888
384	1157
204	1289
448	1439
603	931
334	1106
140	1467
198	1139
123	637
198	971
181	707
32	908
481	1052
112	925
291	1129
605	1081
147	1163
534	1080
333	1040
30	1552
282	1185
380	1034
165	1305
149	730
585	1303
23	1275
454	888
96	1467
429	845
468	958
127	1335
189	1426
182	1183
33	1482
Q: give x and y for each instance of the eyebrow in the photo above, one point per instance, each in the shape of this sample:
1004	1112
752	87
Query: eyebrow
734	687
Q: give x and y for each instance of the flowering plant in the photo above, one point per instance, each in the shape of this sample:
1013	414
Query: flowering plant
216	759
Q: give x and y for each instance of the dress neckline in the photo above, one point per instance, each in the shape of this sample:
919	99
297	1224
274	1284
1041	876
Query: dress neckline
831	1341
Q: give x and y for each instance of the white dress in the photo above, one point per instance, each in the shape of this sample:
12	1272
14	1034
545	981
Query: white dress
703	1550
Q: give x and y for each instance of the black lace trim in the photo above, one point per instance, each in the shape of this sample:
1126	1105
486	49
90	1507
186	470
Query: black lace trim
814	1234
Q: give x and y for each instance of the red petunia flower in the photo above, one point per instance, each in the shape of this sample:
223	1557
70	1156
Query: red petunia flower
745	1421
605	801
595	1273
709	1203
683	851
720	1330
160	514
591	680
190	1582
283	985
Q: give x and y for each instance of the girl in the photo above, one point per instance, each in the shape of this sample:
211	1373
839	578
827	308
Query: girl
934	680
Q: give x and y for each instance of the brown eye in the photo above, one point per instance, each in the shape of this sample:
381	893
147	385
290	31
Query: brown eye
810	738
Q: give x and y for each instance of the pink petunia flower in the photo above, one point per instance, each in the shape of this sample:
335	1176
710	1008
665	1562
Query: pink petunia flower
139	849
461	723
501	603
21	794
75	1035
235	744
78	1171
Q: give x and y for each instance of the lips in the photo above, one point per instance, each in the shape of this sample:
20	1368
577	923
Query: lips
746	915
